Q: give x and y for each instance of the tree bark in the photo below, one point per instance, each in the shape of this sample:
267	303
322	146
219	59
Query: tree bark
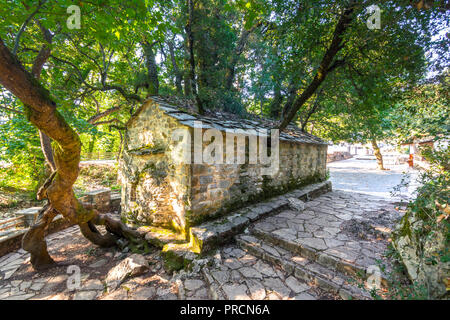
378	154
275	105
152	69
292	93
178	73
187	66
190	42
38	64
46	147
311	111
41	111
325	67
242	42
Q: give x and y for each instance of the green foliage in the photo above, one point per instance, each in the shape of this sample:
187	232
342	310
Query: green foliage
424	111
22	162
430	211
272	49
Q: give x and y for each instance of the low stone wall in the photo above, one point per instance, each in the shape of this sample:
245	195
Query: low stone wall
14	240
98	199
102	200
338	155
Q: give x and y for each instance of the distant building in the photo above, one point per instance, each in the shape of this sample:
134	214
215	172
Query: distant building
416	144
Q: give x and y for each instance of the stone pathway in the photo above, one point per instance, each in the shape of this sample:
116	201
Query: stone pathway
338	236
291	255
19	282
362	176
295	254
239	275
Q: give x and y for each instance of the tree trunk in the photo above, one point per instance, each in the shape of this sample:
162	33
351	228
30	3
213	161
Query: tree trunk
38	64
311	111
41	111
378	154
152	69
186	73
46	147
240	46
190	38
325	67
292	92
275	105
91	145
178	74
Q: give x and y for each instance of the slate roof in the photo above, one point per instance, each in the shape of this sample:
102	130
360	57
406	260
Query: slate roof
184	111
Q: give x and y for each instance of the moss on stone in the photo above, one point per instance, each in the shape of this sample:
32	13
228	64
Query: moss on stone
172	262
269	191
178	256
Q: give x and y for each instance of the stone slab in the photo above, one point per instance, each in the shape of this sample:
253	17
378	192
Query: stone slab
212	234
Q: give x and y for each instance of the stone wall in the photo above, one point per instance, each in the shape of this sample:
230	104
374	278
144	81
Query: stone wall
157	190
338	155
98	199
420	252
218	189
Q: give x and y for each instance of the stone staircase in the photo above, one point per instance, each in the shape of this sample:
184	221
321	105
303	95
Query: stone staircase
324	276
317	243
331	261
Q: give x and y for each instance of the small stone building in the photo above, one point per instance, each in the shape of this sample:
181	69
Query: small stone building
160	190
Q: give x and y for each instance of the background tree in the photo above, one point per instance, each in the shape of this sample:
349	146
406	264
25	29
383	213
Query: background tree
297	61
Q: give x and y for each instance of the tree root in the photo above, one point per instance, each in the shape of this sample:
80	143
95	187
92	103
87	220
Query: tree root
115	230
34	239
34	242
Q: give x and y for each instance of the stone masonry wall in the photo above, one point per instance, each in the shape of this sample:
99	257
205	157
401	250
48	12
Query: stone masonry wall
159	191
218	189
338	156
154	187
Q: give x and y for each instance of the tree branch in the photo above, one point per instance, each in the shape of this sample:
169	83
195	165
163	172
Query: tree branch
104	87
24	25
321	73
11	110
94	119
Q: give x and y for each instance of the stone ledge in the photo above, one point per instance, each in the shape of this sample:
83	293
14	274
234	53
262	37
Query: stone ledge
13	241
159	237
99	199
29	214
211	234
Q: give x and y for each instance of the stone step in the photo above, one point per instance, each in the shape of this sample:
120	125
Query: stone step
219	231
159	237
234	274
212	234
326	278
343	260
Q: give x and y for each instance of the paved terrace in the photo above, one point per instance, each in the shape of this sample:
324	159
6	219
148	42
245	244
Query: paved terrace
304	255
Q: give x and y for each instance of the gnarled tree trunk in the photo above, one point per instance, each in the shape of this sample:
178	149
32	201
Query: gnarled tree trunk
41	111
326	65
